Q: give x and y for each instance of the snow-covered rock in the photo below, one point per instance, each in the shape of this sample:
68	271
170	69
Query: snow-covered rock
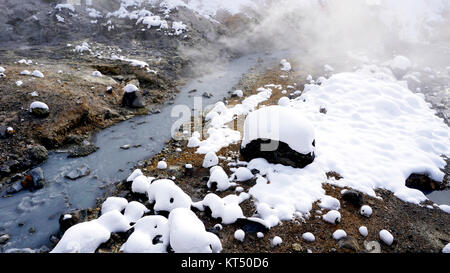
167	196
308	237
445	208
114	203
2	69
219	178
162	165
284	101
130	88
210	160
243	174
400	65
332	217
446	248
193	142
330	203
140	184
239	235
366	211
134	174
134	211
285	65
39	109
363	231
339	234
147	230
238	93
276	241
386	237
25	72
188	234
226	208
37	74
97	74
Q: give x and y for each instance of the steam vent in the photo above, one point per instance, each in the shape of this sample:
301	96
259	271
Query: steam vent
280	135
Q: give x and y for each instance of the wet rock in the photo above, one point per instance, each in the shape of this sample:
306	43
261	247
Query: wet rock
282	155
38	153
132	100
83	150
349	243
37	176
4	238
78	173
353	197
423	183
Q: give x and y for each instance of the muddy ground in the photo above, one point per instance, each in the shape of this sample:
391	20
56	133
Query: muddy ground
415	228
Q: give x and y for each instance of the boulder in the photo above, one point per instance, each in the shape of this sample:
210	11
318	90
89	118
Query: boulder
83	150
37	175
353	197
38	153
78	173
131	98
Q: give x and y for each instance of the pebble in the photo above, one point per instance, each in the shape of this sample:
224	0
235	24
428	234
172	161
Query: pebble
4	238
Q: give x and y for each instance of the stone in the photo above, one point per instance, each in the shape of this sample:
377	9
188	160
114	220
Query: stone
282	155
78	173
38	153
132	100
296	247
83	150
423	183
207	95
353	197
4	238
37	175
349	243
125	147
372	247
71	218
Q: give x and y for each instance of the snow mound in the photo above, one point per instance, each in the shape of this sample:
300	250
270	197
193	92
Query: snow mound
210	160
308	237
167	196
330	203
239	235
134	211
386	237
38	105
188	234
226	208
162	165
339	234
141	184
332	217
114	203
37	74
147	230
285	65
219	177
366	211
242	174
130	88
88	236
283	124
363	231
134	174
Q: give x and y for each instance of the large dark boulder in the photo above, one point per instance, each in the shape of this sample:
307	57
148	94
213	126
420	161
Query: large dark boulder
132	100
282	155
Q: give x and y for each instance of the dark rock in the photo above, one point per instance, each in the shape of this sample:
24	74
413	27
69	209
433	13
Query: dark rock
15	188
423	183
37	175
323	110
349	243
251	226
353	197
4	238
132	100
38	153
69	219
207	95
78	173
282	155
83	150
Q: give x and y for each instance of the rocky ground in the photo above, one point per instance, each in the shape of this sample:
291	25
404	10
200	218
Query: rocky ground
415	228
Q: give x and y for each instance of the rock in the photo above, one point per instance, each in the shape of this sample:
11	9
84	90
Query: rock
83	150
131	98
353	197
38	153
37	175
39	109
250	225
15	188
69	219
4	238
423	183
78	173
349	243
125	147
207	95
297	247
283	154
372	247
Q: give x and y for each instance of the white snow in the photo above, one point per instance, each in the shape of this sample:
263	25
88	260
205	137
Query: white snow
276	241
285	65
145	230
219	177
114	203
97	74
284	101
243	174
34	94
82	48
162	165
339	234
308	237
2	69
332	217
134	211
188	234
280	124
130	88
446	248
59	18
400	63
386	237
226	208
193	142
65	6
25	72
330	203
179	27
366	211
445	208
37	74
260	235
363	231
88	236
238	93
39	105
134	174
210	160
167	196
18	83
239	235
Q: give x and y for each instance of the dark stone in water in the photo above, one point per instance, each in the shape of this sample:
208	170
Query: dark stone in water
78	173
353	197
37	175
282	155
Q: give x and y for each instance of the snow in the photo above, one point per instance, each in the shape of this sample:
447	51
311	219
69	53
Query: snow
82	48
65	6
243	174
339	234
210	160
88	236
25	72
226	208
239	235
146	230
280	124
445	208
152	21
188	166
134	174
23	61
284	101
218	226
19	83
114	203
97	74
193	142
219	177
238	93
363	231
276	241
386	237
285	65
39	105
130	88
134	211
167	196
179	27
446	248
60	18
330	203
401	63
2	69
366	211
34	94
188	234
260	235
162	165
308	237
37	74
332	217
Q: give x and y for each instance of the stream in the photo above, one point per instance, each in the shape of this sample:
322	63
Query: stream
40	210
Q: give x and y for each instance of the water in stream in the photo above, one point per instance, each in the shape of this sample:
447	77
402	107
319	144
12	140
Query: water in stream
40	210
